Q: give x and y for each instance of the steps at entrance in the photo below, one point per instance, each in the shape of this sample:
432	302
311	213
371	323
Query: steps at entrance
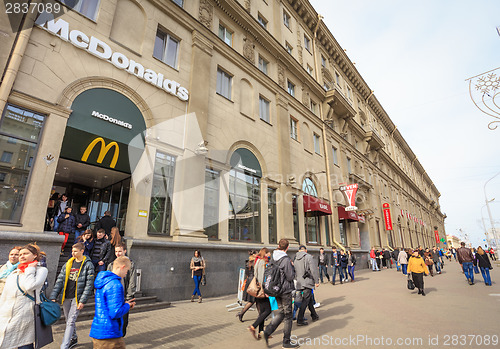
143	303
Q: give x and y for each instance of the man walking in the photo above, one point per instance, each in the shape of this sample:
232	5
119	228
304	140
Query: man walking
373	260
436	259
66	226
323	264
335	260
106	222
284	300
307	279
128	281
465	258
82	222
394	255
110	307
76	278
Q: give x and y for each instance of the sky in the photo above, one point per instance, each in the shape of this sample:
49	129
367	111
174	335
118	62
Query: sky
417	56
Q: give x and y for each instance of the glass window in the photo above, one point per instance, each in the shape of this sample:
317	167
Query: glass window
317	147
327	231
286	19
323	61
293	129
337	78
289	48
179	2
335	156
349	94
225	35
309	188
160	210
295	208
343	237
224	81
313	106
263	65
264	109
273	224
307	43
211	209
244	206
312	229
291	88
262	21
309	70
88	8
166	48
20	131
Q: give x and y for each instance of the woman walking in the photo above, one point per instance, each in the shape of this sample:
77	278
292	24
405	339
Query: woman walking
351	264
249	275
417	268
197	268
403	260
10	266
262	304
17	320
484	264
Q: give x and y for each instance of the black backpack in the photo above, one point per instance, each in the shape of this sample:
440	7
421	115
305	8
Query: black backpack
273	279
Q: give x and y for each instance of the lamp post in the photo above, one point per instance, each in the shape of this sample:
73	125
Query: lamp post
489	213
484	226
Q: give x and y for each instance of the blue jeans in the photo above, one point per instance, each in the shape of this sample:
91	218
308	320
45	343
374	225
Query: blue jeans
323	269
284	315
197	280
468	271
486	275
350	269
78	232
438	266
334	272
404	268
27	346
374	264
343	272
398	266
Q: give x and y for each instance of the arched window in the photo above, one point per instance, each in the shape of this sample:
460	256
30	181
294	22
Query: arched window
309	188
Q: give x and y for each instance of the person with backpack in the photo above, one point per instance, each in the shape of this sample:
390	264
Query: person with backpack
484	264
307	279
278	282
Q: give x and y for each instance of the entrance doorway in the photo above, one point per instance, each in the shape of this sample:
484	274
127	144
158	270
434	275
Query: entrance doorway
97	188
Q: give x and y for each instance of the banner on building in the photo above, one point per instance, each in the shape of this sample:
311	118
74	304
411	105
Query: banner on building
387	216
349	192
436	235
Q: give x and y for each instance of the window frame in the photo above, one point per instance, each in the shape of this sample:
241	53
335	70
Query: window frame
335	157
292	128
226	30
177	3
290	88
230	84
262	20
289	48
166	38
286	19
79	4
317	143
307	43
264	101
263	67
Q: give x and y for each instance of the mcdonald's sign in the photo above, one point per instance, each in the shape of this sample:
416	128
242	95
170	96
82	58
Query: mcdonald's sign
102	151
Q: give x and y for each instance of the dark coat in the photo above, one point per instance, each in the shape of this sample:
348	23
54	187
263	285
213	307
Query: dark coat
106	223
56	209
326	261
100	249
483	260
287	271
84	283
110	307
66	225
82	219
343	260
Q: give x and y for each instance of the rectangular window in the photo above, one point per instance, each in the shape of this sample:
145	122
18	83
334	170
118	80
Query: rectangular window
224	81
262	21
343	235
295	213
291	88
273	223
179	2
166	48
286	19
313	106
294	134
335	156
160	209
88	8
307	43
211	208
225	35
317	147
349	94
20	132
323	61
309	70
264	109
327	231
289	48
312	229
263	65
337	78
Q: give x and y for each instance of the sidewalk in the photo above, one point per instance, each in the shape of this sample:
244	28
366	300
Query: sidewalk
375	311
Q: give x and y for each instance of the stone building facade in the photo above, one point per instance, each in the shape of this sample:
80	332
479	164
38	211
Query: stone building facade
208	124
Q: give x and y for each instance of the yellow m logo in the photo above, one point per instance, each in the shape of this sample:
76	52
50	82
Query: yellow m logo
102	152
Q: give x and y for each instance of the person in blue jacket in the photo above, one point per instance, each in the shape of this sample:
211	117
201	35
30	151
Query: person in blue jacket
110	306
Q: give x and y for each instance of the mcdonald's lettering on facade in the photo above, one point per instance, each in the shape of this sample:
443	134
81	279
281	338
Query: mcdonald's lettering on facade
102	151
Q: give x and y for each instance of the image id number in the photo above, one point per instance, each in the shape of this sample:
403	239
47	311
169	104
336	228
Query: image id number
471	339
16	8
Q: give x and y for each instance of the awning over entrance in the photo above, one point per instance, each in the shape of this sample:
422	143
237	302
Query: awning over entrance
349	215
316	207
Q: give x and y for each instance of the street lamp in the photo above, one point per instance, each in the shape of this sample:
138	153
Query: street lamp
484	226
489	213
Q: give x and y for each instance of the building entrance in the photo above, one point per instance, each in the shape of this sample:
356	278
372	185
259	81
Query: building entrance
97	188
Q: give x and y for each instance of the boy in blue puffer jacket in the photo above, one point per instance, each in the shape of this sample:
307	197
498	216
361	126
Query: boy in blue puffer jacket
110	306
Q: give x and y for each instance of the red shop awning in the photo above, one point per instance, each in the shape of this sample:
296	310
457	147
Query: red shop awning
349	215
316	207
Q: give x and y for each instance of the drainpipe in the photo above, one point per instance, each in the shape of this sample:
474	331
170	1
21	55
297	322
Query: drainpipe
325	145
16	57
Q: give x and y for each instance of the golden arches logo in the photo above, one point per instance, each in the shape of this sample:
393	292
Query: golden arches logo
102	152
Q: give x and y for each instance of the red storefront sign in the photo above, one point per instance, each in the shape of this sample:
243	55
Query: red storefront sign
316	207
349	192
387	216
436	235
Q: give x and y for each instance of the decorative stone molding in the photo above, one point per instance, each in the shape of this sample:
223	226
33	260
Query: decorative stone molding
248	5
281	76
249	50
206	13
299	48
305	96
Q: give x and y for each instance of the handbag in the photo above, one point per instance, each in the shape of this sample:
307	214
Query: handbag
50	311
43	333
411	284
255	289
203	280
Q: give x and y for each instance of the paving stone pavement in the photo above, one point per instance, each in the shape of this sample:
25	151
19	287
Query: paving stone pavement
374	311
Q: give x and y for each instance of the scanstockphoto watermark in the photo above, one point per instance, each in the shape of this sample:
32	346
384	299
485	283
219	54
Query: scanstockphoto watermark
362	340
